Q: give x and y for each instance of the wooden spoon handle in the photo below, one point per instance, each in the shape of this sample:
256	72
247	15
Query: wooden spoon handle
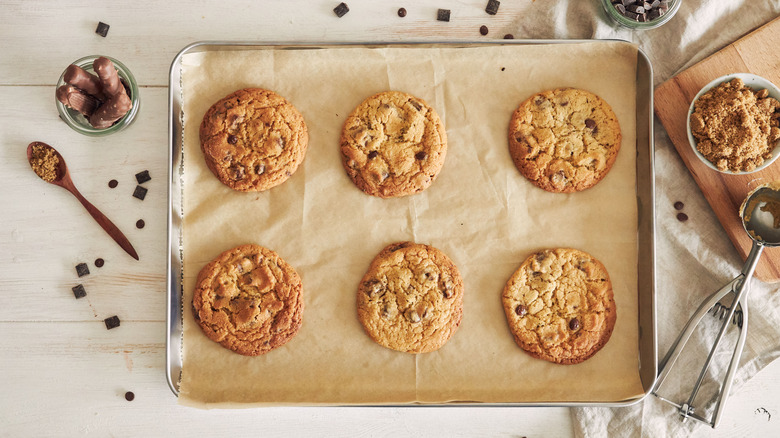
107	225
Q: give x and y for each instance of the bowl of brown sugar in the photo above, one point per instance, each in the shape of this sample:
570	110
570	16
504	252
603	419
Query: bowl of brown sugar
734	123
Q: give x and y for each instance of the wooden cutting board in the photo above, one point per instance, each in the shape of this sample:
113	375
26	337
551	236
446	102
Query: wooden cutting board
757	53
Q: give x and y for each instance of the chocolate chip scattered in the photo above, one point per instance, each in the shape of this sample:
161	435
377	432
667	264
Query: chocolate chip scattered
503	68
78	291
140	192
509	36
129	396
421	155
82	269
102	29
483	30
402	12
574	324
443	15
232	139
111	322
113	183
99	263
678	205
140	223
682	217
372	155
143	177
590	124
520	310
341	9
492	7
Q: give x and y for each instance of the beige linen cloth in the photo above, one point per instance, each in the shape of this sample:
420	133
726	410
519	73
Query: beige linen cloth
694	258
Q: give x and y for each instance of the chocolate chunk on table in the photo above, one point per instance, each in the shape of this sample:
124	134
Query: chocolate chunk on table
402	12
82	269
102	29
483	30
143	177
111	322
443	15
492	7
140	192
341	9
78	291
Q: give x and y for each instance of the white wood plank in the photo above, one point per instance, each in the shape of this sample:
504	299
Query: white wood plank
147	34
67	379
48	232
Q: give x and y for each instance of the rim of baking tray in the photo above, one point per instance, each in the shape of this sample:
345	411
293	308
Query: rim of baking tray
645	206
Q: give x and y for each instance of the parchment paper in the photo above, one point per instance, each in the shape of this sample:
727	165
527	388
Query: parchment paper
480	211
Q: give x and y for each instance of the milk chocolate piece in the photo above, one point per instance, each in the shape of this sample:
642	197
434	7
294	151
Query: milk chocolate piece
109	77
77	100
82	79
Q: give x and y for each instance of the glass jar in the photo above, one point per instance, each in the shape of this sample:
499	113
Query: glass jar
78	122
624	21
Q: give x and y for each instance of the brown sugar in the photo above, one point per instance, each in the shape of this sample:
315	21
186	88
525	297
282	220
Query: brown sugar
735	127
44	162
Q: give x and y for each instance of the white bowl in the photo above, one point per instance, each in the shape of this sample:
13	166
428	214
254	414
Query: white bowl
757	83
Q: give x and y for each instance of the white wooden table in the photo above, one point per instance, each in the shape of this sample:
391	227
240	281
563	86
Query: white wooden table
61	372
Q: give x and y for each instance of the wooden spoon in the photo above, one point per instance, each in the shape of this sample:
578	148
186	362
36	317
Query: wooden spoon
63	180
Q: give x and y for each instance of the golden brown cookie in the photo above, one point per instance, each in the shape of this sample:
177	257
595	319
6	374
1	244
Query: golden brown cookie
249	300
411	298
393	144
560	306
253	139
564	140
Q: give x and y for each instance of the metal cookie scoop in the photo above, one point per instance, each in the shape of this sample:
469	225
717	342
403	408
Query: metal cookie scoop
760	213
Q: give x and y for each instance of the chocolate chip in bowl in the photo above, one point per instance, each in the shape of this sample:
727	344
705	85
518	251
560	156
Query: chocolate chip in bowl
97	95
733	124
640	14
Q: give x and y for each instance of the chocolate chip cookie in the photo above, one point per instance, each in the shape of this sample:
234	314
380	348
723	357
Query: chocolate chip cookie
393	144
560	306
564	140
249	300
411	298
253	139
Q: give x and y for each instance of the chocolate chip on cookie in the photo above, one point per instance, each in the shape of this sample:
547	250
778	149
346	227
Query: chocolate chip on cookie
253	139
411	298
564	140
560	306
393	144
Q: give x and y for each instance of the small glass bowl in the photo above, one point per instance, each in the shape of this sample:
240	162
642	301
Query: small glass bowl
752	81
78	122
618	18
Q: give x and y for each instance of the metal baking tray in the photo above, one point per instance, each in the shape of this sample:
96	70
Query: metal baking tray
645	198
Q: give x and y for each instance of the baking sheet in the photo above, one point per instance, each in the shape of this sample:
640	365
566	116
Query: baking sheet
480	211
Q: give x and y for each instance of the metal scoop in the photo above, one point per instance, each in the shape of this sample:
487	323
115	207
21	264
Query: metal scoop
760	213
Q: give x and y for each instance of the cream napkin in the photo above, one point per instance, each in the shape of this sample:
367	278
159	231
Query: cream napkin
695	257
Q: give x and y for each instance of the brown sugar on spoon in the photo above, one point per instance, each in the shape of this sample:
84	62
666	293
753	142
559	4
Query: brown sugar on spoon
44	163
735	127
